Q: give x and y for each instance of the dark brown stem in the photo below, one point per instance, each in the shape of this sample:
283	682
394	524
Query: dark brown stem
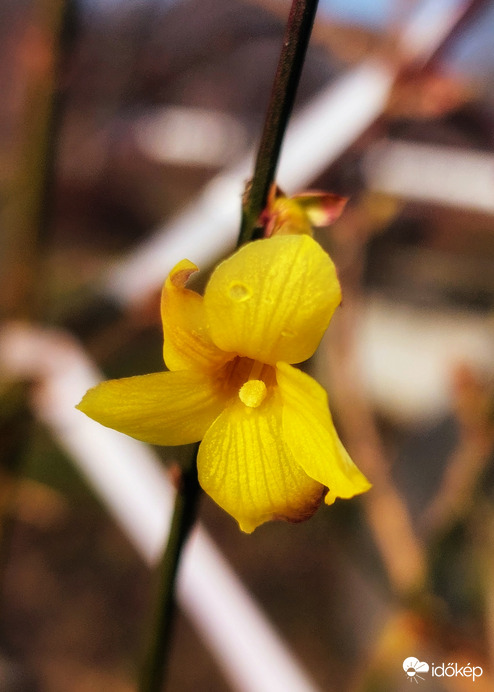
287	77
184	513
295	42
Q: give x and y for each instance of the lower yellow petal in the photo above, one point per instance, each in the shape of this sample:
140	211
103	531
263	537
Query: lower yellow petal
311	435
164	408
247	469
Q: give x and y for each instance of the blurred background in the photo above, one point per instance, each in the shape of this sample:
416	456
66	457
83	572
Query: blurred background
127	131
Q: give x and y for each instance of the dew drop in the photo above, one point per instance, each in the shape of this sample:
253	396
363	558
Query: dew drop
287	333
239	292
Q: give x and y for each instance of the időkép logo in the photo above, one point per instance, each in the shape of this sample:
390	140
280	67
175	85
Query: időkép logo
416	669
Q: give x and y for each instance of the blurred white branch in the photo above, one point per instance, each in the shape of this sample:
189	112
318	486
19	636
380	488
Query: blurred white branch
407	356
444	175
429	24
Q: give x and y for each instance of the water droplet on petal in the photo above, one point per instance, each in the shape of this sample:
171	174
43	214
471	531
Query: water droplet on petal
239	292
287	333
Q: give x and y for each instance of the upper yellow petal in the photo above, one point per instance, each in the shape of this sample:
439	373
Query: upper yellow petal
165	408
273	299
187	344
311	435
247	469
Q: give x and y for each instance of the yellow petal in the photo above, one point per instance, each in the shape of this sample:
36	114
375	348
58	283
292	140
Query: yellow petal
273	299
246	468
187	344
164	408
312	438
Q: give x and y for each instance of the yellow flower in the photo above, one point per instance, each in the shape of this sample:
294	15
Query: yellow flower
269	449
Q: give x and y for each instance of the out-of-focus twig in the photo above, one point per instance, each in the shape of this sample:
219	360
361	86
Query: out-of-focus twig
475	415
401	551
26	214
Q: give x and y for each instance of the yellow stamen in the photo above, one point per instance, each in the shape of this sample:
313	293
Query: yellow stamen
253	393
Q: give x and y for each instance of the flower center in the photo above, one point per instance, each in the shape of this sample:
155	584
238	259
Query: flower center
250	379
253	393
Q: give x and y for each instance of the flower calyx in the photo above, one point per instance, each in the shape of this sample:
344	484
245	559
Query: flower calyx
301	213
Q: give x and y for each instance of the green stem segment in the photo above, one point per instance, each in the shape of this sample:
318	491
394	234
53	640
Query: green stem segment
295	42
287	77
155	667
